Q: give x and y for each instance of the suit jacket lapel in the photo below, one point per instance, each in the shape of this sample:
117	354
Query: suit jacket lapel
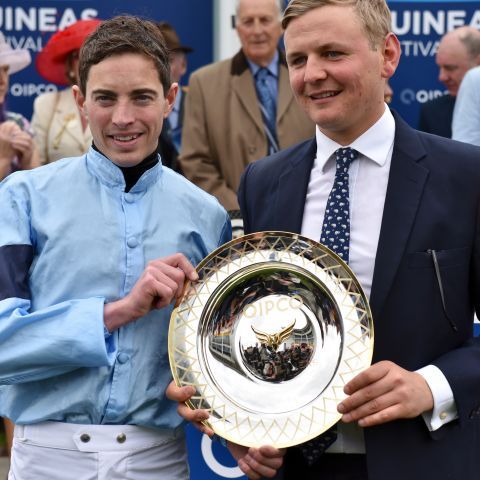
292	188
243	87
405	187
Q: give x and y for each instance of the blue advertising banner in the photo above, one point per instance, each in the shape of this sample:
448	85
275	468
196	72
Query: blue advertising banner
29	24
419	26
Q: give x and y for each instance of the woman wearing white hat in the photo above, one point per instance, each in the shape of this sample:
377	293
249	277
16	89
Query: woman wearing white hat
17	149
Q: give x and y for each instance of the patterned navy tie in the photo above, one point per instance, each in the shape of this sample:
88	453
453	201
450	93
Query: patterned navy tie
336	223
336	236
315	448
268	106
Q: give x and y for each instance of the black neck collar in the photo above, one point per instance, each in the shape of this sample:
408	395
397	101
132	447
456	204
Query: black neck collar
132	174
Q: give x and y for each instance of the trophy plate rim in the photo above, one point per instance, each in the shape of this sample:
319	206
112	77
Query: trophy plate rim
232	415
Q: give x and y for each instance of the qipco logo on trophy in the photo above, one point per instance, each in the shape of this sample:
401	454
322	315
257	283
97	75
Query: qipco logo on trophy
269	336
273	353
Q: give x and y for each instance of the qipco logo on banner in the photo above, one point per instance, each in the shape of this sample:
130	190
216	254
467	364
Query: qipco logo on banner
408	96
31	89
209	460
215	465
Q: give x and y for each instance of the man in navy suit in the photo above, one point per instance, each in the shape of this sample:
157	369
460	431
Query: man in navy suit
458	51
414	245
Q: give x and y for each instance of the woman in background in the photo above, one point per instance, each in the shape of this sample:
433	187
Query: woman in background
60	129
17	149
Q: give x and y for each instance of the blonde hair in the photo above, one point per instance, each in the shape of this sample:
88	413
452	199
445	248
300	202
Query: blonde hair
374	15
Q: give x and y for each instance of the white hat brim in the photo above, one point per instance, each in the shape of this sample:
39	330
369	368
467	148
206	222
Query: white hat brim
15	59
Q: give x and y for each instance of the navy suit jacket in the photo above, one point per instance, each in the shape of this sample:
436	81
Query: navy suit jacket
436	116
432	202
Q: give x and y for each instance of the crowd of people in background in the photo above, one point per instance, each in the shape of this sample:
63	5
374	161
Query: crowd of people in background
214	157
458	52
231	113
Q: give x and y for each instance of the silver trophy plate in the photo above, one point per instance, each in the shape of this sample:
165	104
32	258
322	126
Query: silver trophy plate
270	334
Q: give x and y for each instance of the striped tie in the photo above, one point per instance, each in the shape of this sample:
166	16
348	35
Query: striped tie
268	106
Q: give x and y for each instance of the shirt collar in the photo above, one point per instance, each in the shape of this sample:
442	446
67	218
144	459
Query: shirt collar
110	175
272	67
375	144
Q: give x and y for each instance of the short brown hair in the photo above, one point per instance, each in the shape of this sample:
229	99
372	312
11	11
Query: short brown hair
374	15
125	34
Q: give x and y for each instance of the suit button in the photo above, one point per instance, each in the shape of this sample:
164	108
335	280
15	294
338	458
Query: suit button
121	438
85	437
443	415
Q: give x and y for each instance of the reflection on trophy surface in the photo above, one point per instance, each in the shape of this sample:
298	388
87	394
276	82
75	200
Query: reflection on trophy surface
270	334
285	314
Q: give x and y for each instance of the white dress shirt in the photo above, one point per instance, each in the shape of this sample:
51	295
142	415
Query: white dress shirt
368	181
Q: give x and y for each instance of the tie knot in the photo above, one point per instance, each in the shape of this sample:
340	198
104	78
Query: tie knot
262	74
344	158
